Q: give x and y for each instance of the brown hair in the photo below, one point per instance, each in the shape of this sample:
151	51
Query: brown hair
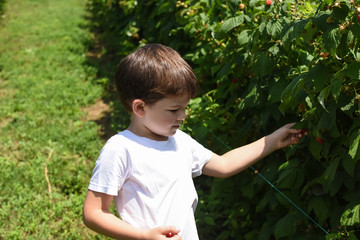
153	72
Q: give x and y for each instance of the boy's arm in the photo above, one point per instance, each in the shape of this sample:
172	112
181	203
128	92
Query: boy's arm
243	157
97	217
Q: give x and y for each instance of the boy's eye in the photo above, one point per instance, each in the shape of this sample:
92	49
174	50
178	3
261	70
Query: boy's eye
173	110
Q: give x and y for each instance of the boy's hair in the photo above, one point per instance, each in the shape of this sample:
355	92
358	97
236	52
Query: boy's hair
153	72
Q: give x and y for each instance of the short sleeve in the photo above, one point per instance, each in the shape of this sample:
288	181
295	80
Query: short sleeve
200	154
110	170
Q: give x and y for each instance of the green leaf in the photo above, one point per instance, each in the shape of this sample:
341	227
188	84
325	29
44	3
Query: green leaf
321	207
275	27
318	76
291	178
331	236
335	185
352	235
291	164
195	102
305	58
353	70
251	97
244	207
286	226
225	70
224	235
262	27
351	217
321	22
288	97
248	191
331	39
355	29
251	235
341	12
343	48
209	220
301	125
330	171
336	85
323	97
295	30
308	8
354	150
244	37
262	64
215	69
275	90
348	164
266	231
328	118
233	4
232	23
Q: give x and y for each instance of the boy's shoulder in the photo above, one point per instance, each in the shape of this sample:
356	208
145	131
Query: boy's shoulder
182	138
126	138
180	133
120	139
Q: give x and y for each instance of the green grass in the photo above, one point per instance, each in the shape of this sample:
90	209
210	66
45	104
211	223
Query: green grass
45	82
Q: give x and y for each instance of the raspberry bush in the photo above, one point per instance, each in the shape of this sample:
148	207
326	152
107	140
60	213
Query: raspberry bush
261	64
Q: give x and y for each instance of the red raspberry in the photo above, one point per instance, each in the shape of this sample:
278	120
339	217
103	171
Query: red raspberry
268	2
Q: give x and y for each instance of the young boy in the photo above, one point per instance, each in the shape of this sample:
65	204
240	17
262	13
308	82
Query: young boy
147	169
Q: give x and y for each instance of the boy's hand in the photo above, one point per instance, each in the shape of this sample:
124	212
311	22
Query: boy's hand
286	136
163	233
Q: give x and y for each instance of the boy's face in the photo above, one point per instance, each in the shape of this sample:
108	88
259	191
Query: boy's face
164	117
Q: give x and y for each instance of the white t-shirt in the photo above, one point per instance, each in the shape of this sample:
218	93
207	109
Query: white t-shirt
152	180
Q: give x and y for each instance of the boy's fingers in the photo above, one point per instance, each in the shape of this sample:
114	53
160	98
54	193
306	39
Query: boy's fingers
292	130
290	124
300	132
170	231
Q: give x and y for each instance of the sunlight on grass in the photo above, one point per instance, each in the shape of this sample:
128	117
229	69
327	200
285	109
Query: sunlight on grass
45	82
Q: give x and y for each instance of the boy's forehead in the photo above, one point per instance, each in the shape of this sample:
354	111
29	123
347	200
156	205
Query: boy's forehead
175	101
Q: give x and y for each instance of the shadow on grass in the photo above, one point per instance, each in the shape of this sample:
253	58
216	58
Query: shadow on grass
106	50
2	7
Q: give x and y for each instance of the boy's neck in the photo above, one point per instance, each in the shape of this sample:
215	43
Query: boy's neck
139	130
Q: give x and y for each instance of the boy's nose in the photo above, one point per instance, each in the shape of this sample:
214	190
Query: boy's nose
182	115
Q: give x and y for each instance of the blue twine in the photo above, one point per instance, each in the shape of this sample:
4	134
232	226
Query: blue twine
273	186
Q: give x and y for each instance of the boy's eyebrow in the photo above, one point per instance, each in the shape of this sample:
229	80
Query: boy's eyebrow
178	105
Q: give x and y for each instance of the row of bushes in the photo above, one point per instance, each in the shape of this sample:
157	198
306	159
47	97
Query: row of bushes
262	64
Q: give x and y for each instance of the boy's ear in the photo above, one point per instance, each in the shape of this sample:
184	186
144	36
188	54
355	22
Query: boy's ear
138	107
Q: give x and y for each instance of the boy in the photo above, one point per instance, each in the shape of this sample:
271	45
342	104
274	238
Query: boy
148	168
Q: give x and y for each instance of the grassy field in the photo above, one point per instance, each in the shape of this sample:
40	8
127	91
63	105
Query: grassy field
48	144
